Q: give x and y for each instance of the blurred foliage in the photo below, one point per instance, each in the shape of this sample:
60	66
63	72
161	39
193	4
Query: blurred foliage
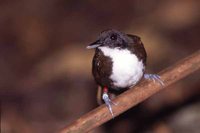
46	79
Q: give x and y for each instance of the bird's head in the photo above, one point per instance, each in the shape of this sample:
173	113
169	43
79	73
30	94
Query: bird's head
113	39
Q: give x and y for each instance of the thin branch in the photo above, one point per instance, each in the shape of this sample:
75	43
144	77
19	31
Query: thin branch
135	95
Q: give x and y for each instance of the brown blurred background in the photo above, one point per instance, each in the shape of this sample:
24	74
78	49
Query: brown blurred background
45	69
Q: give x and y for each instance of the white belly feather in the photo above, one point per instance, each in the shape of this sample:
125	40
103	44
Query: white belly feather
127	69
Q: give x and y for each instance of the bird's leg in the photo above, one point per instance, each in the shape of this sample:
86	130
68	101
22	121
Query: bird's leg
155	78
107	100
99	95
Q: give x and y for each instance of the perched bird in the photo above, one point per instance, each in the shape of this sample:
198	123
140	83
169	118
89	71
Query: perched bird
119	63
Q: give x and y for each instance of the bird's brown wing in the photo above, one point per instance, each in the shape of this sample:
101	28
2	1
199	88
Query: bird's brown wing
102	69
138	48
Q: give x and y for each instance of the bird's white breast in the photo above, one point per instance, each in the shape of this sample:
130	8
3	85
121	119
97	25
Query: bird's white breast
127	70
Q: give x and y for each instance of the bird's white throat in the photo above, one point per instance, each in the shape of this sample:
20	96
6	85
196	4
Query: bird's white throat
127	69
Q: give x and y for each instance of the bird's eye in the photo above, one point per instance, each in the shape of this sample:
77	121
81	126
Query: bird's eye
113	37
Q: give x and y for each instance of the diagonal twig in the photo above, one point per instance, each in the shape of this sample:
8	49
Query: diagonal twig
135	95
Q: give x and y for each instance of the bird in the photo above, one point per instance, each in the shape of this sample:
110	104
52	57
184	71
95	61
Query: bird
119	63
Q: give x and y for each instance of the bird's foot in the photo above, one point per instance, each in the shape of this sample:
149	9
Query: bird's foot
155	78
107	100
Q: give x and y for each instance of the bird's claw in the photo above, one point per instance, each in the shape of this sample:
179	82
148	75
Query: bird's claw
155	78
108	102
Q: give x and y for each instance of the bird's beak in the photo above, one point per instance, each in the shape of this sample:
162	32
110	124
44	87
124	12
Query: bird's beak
94	44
